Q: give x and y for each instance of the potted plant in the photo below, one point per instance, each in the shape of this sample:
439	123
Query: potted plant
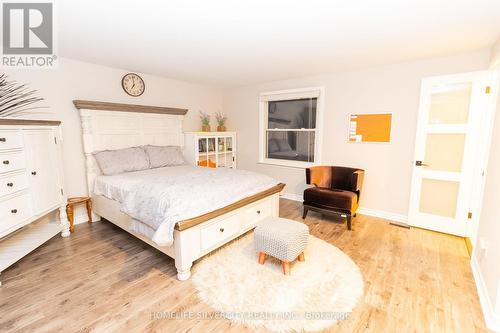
205	121
16	99
221	121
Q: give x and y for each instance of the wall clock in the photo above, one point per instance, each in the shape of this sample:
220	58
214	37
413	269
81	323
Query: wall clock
133	84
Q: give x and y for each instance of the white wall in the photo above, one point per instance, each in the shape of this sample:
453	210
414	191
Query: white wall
393	88
78	80
486	261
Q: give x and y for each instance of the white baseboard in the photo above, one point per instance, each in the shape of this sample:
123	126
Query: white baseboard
83	218
383	214
292	196
362	210
491	318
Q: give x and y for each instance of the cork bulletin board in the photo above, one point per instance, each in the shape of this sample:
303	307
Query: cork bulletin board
373	127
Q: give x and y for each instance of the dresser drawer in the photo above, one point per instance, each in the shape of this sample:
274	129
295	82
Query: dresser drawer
219	231
10	140
14	212
12	183
258	211
11	161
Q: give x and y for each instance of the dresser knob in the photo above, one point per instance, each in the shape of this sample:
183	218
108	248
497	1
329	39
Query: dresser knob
258	212
3	140
13	211
33	173
221	229
6	162
10	184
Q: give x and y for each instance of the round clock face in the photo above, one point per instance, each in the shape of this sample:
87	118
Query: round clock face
133	84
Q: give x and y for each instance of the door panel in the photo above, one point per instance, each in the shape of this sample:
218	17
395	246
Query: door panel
452	106
439	197
448	132
444	151
42	156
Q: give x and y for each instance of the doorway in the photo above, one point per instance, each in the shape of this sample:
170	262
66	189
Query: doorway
449	151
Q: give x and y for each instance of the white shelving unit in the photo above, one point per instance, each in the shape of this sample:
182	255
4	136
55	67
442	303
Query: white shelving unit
210	149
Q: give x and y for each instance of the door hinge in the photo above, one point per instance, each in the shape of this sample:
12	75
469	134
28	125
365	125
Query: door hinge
487	90
55	140
62	192
469	215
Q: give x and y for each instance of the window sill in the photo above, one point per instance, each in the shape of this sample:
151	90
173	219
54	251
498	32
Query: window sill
287	163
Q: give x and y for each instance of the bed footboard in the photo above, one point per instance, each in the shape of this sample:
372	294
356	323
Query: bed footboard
194	242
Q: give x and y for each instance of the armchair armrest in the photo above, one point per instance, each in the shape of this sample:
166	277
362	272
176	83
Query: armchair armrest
357	180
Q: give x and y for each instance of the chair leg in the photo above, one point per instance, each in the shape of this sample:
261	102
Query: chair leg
89	210
304	214
349	221
69	212
301	257
262	258
286	267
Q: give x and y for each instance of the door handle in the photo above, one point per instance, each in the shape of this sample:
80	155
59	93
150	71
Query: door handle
10	184
6	162
420	163
3	139
33	173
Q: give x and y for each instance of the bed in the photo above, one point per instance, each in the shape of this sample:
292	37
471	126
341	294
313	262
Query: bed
109	126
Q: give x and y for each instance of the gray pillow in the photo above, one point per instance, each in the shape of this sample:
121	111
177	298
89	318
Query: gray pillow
162	156
284	145
272	146
113	162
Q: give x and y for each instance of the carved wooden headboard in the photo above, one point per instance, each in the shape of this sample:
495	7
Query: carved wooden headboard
114	126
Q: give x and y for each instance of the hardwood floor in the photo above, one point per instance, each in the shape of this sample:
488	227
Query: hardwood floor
103	280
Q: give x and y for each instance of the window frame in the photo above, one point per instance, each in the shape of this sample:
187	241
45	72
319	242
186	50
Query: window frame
290	94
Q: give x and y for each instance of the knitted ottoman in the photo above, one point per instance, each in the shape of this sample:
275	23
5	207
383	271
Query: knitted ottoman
282	239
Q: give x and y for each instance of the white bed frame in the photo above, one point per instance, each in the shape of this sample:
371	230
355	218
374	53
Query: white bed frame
110	128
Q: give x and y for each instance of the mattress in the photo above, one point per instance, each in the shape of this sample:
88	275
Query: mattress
161	197
117	186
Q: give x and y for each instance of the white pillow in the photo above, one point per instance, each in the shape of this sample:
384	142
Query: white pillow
162	156
113	162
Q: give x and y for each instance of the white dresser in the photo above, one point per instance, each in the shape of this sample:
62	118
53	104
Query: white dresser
210	149
31	187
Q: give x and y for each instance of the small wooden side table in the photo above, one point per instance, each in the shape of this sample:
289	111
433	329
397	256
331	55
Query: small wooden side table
70	210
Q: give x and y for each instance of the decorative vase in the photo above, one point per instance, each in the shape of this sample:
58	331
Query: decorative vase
205	128
221	128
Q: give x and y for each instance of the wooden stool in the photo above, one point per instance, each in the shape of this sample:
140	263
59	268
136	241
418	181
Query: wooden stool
70	209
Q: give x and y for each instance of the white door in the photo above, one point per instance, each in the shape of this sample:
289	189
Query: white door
42	157
446	150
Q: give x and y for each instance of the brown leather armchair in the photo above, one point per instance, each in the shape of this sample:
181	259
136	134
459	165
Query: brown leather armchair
336	191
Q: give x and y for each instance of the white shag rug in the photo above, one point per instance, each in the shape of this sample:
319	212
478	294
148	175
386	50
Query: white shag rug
321	290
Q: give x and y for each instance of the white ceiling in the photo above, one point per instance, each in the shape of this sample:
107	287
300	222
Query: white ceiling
236	42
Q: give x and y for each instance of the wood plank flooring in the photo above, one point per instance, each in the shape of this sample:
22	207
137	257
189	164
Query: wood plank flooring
103	280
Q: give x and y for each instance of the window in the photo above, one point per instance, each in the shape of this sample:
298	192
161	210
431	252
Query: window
290	127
